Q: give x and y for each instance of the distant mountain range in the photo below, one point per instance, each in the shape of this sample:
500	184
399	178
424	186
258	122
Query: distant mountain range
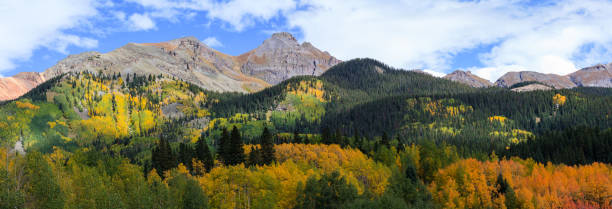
276	59
595	76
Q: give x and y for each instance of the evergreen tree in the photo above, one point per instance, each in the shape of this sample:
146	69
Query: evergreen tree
296	137
330	191
326	136
267	147
384	140
162	157
186	154
255	157
235	152
203	154
224	145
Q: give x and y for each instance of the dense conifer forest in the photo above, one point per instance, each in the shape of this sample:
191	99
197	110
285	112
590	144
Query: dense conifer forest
362	135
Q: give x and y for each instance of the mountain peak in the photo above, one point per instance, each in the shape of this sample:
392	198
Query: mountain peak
281	57
556	81
598	75
468	78
283	36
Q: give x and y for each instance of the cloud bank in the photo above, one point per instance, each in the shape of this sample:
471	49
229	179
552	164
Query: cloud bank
544	36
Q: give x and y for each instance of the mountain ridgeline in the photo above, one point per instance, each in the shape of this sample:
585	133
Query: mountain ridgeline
278	58
381	137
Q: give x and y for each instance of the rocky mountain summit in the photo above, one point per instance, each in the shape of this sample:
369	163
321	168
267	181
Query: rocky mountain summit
598	75
468	78
556	81
279	57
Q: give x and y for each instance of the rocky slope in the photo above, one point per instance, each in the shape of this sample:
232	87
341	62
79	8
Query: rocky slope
598	75
278	58
468	78
556	81
531	87
13	87
281	57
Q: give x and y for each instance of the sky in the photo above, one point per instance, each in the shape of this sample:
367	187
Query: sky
486	37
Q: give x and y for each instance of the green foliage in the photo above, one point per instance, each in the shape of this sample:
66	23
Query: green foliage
10	195
235	151
186	193
267	147
42	188
162	157
203	154
330	191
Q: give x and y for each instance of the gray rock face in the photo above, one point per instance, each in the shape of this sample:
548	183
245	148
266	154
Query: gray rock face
468	78
595	76
531	87
281	57
556	81
185	58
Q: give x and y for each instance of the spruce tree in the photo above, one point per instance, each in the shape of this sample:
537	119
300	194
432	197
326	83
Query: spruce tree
235	152
267	147
224	144
255	157
385	140
185	155
296	137
326	137
163	158
202	153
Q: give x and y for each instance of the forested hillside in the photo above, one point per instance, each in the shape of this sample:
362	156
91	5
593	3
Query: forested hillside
361	135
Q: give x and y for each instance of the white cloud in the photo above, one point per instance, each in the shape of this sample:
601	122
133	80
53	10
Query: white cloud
28	25
434	73
243	13
548	37
62	42
139	22
238	14
212	42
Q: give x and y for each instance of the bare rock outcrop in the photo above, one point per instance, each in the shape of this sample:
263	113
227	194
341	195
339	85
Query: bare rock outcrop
468	78
531	87
556	81
281	57
595	76
17	85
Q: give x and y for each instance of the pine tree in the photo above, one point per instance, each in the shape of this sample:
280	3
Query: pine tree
296	137
202	153
162	157
185	155
267	147
236	149
224	144
326	136
385	140
255	157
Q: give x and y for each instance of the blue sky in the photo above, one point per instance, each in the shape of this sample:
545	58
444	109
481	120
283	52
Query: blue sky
487	37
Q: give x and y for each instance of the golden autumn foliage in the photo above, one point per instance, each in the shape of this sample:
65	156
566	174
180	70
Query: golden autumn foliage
559	99
496	118
275	185
472	184
310	88
26	105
